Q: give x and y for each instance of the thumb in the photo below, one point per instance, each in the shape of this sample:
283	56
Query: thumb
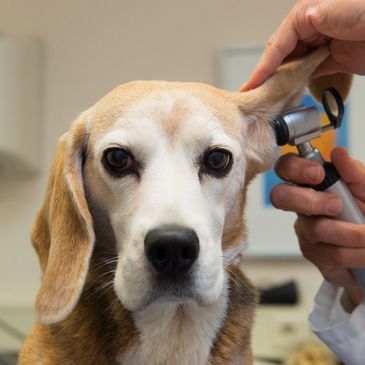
338	19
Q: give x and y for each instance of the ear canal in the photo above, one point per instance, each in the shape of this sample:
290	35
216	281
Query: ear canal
342	82
63	236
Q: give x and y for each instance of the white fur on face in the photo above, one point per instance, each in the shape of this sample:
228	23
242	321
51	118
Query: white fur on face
168	191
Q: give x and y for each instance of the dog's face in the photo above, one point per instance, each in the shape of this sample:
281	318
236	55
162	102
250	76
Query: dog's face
158	171
168	174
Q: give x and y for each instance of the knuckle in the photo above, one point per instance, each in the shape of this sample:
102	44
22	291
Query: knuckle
314	205
307	251
271	40
297	227
318	229
311	205
359	235
338	257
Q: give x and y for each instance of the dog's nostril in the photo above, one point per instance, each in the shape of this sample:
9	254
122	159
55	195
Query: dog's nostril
172	250
159	254
188	253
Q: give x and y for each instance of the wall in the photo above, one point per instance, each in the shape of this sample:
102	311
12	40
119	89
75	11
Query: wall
91	46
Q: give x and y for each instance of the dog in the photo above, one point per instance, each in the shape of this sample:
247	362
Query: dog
142	227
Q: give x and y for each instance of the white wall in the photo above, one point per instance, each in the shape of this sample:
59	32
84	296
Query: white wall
91	46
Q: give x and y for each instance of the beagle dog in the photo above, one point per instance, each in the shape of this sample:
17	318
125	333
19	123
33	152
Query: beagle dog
142	228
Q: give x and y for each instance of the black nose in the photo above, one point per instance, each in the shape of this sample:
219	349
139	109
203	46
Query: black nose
172	250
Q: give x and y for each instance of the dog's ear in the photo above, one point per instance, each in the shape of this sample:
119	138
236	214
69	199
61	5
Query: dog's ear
279	93
63	234
341	82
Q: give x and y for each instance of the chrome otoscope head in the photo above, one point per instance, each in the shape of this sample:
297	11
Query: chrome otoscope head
304	124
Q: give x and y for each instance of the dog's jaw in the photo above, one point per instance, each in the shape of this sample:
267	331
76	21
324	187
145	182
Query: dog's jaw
167	330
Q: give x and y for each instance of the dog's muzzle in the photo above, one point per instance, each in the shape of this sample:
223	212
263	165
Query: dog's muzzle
172	250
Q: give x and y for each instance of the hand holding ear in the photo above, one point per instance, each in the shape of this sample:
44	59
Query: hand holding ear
333	246
310	24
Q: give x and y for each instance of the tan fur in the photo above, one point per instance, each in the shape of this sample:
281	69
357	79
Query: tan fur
80	318
62	234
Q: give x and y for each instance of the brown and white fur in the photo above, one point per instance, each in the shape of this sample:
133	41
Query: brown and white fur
100	301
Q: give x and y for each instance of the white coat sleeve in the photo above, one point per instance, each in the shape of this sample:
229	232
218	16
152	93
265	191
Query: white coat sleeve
344	333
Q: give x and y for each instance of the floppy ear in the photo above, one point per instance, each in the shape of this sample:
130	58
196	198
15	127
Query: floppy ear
279	93
63	235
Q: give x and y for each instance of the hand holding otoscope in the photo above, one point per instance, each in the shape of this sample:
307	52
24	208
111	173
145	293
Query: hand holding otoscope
298	128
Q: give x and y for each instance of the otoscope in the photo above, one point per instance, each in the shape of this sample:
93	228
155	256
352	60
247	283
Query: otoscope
297	128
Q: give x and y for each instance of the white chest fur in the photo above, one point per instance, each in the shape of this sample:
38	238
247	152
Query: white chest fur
172	333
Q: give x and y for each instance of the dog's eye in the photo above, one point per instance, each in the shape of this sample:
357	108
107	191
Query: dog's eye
217	162
118	161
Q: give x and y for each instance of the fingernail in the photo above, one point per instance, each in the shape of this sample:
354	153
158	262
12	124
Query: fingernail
334	205
313	173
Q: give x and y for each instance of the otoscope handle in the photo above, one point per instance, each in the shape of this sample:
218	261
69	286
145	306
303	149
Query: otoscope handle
350	211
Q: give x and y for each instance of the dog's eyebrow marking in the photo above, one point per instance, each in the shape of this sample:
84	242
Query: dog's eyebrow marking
173	122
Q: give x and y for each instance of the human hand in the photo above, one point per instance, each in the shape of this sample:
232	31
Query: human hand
333	246
310	24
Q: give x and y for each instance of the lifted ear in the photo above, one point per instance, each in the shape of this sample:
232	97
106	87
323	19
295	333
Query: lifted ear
279	93
63	235
341	82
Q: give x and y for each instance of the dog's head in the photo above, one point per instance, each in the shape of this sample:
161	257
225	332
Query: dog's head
158	172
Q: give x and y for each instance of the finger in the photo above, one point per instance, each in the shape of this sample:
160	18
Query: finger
328	67
338	19
320	255
324	255
280	44
351	171
301	50
291	167
333	232
305	201
349	54
295	27
338	276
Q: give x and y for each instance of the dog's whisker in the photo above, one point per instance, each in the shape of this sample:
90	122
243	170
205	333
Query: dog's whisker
234	276
102	266
103	287
107	262
107	273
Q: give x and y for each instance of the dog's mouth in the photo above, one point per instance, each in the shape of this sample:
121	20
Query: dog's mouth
173	290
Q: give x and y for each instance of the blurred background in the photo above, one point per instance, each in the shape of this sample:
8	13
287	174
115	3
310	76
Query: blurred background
87	48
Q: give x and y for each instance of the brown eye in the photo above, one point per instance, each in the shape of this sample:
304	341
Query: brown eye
217	162
118	162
